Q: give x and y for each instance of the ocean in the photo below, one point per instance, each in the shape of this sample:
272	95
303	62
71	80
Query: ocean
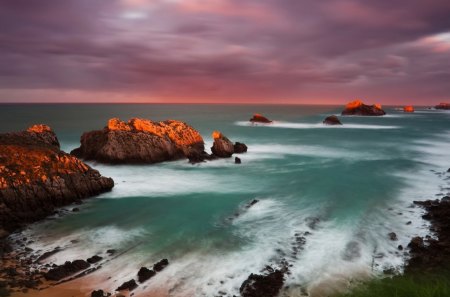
342	189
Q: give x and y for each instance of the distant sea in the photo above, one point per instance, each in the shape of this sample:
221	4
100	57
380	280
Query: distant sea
344	189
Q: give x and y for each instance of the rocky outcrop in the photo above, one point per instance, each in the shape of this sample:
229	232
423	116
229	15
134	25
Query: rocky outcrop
443	105
433	253
141	141
224	148
129	285
268	285
358	108
36	177
332	120
65	270
258	118
408	108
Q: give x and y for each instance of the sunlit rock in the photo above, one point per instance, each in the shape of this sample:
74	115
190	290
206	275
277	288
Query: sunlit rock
408	108
258	118
222	147
357	107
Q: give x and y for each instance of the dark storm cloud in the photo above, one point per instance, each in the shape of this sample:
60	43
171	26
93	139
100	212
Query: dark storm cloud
217	49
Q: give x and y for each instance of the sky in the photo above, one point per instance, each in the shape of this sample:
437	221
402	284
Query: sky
225	51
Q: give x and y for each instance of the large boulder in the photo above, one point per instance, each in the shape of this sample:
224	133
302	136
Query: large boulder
357	107
140	141
443	105
258	118
268	285
222	146
332	120
36	177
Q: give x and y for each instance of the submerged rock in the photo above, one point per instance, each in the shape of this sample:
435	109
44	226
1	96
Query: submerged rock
357	107
140	141
392	236
262	285
36	177
258	118
332	120
66	270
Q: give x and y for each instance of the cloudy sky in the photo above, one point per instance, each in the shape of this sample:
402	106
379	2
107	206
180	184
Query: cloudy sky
262	51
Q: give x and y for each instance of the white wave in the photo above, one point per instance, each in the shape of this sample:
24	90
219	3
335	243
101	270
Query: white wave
291	125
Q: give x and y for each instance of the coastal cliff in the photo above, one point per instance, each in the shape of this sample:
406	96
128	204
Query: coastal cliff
140	141
36	177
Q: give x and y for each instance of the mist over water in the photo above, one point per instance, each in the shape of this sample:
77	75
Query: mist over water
342	188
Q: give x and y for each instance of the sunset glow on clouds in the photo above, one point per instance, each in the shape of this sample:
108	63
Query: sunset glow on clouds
260	51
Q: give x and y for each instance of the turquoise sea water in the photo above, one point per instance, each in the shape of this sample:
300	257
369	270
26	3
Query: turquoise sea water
348	187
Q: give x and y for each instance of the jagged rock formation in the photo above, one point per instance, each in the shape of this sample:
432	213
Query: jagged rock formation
224	148
332	120
268	285
443	105
357	107
36	177
141	141
258	118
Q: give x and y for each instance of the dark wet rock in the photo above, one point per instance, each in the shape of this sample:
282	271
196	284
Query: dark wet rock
129	285
408	223
332	120
140	141
392	236
160	265
94	259
222	146
99	293
145	274
268	285
240	148
237	160
111	251
359	108
443	105
76	209
258	118
251	203
66	270
400	247
36	177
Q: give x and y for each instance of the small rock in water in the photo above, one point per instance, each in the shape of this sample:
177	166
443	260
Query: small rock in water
161	265
76	209
393	236
408	223
111	251
253	202
400	247
240	148
129	285
237	160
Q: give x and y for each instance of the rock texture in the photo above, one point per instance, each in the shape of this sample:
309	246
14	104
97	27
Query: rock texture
36	177
258	118
141	141
443	105
224	148
262	285
408	108
332	120
357	107
65	270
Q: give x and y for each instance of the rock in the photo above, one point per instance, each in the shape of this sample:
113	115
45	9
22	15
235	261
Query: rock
222	147
258	118
98	293
253	202
416	244
129	285
140	141
145	274
240	148
357	107
442	105
237	160
392	236
36	177
408	108
66	270
160	265
111	251
75	209
400	247
94	259
262	285
332	120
